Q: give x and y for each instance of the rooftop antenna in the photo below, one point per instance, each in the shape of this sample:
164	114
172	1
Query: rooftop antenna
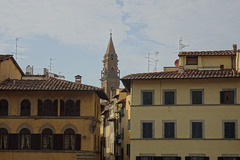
17	38
156	60
181	45
149	60
50	64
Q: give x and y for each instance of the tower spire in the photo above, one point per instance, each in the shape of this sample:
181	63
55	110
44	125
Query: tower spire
110	75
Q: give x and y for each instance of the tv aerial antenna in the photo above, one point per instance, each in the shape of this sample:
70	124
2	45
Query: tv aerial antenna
51	64
151	60
16	52
182	45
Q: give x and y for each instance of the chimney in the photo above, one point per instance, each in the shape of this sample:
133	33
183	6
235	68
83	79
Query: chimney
78	79
234	48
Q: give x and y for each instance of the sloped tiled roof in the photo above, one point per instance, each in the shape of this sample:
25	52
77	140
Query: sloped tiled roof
208	53
187	74
5	57
8	56
51	84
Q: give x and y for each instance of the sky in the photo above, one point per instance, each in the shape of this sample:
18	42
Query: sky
75	33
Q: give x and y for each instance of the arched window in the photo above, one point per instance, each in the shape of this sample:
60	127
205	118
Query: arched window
47	108
47	139
3	107
24	138
69	139
25	107
3	138
70	108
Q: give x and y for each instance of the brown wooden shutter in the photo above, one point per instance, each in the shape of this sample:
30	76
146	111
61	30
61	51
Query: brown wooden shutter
40	107
78	141
62	108
77	108
58	141
55	108
35	141
13	141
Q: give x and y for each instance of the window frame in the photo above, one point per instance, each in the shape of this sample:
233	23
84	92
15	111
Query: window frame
4	137
191	128
23	111
142	99
153	128
235	128
47	135
191	96
175	129
175	96
228	90
191	57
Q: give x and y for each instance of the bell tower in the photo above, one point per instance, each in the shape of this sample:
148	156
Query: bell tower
110	75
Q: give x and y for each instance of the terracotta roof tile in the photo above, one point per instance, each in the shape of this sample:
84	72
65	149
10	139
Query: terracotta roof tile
51	84
208	53
5	57
187	74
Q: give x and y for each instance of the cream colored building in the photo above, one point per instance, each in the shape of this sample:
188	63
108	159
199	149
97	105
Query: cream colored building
189	112
43	117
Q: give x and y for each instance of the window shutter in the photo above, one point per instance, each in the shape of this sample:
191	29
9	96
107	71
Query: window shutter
222	97
231	97
13	141
187	158
206	158
138	158
78	108
55	108
40	107
35	141
58	141
78	141
62	111
169	97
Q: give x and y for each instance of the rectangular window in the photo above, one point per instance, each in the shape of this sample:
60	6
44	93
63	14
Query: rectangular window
229	130
147	97
128	150
197	96
228	158
227	97
169	129
129	127
196	158
147	129
169	97
192	61
197	129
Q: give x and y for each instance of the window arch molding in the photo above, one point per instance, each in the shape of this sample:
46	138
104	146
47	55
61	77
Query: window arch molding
4	125
53	102
24	125
9	103
26	97
69	126
47	125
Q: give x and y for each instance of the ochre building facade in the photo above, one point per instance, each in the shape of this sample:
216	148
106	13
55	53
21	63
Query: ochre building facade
190	112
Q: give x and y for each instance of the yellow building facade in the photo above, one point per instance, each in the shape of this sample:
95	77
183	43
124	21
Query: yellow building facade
190	112
49	118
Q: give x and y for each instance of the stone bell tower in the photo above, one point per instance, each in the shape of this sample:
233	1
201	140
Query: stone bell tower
110	75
